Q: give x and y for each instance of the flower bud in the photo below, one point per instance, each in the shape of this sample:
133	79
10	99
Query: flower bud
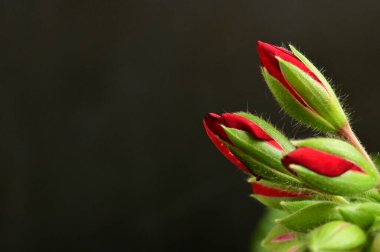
336	236
250	143
331	165
283	239
300	88
273	194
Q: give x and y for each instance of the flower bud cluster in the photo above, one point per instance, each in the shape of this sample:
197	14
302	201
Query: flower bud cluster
326	185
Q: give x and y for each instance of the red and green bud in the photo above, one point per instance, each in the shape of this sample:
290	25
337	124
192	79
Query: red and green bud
300	88
213	125
281	239
337	236
251	144
273	194
331	166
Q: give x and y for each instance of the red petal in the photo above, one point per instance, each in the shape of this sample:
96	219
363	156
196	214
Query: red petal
242	123
222	147
214	123
268	54
274	192
320	162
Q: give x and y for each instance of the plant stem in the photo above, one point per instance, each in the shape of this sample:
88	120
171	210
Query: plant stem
347	133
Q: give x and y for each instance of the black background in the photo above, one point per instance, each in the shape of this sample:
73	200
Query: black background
101	104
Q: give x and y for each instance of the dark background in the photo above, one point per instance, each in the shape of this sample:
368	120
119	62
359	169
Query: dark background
101	104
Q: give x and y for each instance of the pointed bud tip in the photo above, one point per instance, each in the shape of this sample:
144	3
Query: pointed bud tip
212	123
215	132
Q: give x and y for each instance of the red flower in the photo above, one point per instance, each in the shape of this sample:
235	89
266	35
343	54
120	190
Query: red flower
320	162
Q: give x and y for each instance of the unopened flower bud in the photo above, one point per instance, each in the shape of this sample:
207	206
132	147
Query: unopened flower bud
336	236
273	194
332	166
283	239
250	143
300	88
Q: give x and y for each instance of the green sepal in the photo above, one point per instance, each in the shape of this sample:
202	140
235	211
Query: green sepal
279	137
262	170
311	217
373	195
346	184
277	202
294	206
261	151
312	68
352	214
368	196
273	202
315	95
361	214
294	108
336	236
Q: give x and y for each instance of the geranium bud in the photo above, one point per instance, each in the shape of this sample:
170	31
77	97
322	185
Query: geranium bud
300	88
250	143
283	239
272	194
332	166
337	236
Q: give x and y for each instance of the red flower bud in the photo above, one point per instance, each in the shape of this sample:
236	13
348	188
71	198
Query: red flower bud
214	123
215	132
320	162
268	56
260	189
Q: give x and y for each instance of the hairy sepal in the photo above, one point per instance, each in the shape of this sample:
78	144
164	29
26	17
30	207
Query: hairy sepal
294	108
261	151
311	217
261	170
315	95
278	136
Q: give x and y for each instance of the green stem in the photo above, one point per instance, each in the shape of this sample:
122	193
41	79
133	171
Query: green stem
347	133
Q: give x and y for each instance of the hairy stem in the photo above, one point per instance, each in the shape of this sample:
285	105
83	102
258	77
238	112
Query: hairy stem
347	133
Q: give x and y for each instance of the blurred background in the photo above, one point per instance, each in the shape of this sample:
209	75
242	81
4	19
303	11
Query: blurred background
101	108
